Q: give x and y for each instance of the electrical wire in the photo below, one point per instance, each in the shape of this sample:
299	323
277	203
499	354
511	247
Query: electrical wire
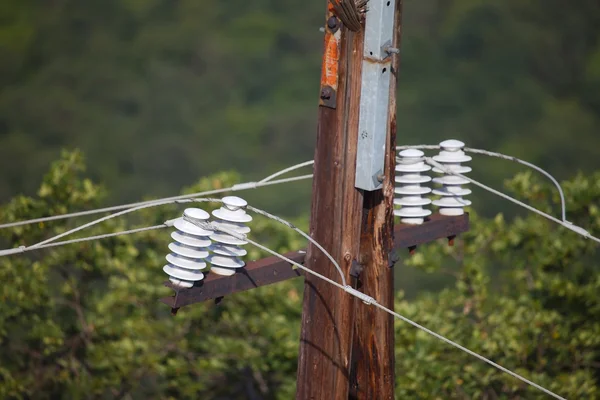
269	181
301	232
240	186
50	241
23	249
577	229
286	170
505	157
209	226
470	352
371	301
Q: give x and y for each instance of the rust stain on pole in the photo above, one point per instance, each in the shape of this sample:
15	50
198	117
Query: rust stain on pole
331	60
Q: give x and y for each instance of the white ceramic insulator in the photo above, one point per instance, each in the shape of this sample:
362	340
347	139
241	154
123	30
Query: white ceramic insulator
188	250
451	191
408	188
226	250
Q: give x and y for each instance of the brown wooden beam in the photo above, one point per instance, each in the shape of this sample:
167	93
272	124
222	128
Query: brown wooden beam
256	273
436	227
272	269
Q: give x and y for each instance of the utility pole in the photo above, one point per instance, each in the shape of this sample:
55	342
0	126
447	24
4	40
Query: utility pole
346	347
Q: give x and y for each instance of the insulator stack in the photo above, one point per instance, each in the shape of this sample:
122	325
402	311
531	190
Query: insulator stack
189	249
409	178
226	249
451	156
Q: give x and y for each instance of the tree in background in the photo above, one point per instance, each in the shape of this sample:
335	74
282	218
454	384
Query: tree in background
159	92
83	320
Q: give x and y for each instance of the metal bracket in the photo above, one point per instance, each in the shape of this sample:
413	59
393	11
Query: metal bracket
375	94
331	60
356	269
393	258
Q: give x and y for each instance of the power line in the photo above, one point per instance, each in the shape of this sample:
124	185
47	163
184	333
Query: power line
207	225
269	181
286	170
52	241
371	301
23	249
577	229
505	157
470	352
238	187
301	232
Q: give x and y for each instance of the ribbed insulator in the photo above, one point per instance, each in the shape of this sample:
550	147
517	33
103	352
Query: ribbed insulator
189	249
451	156
226	248
408	189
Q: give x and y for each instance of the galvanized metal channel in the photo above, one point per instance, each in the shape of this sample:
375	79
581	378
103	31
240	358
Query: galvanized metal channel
375	94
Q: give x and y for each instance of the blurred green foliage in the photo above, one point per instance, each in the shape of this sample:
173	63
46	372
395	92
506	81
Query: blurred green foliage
159	92
84	321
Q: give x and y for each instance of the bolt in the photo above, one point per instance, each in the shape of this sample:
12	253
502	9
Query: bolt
380	177
411	250
451	240
326	93
332	23
392	50
393	258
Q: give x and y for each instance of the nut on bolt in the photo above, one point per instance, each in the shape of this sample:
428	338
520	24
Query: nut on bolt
326	93
332	23
412	250
451	240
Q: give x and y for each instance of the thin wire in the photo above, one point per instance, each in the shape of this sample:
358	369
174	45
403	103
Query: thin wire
24	249
306	236
505	157
577	229
470	352
207	225
210	226
286	170
47	242
371	301
530	165
111	216
237	187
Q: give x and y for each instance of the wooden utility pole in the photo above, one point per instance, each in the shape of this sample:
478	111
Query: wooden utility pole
346	347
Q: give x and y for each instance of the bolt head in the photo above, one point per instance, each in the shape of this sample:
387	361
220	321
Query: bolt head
326	93
332	23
